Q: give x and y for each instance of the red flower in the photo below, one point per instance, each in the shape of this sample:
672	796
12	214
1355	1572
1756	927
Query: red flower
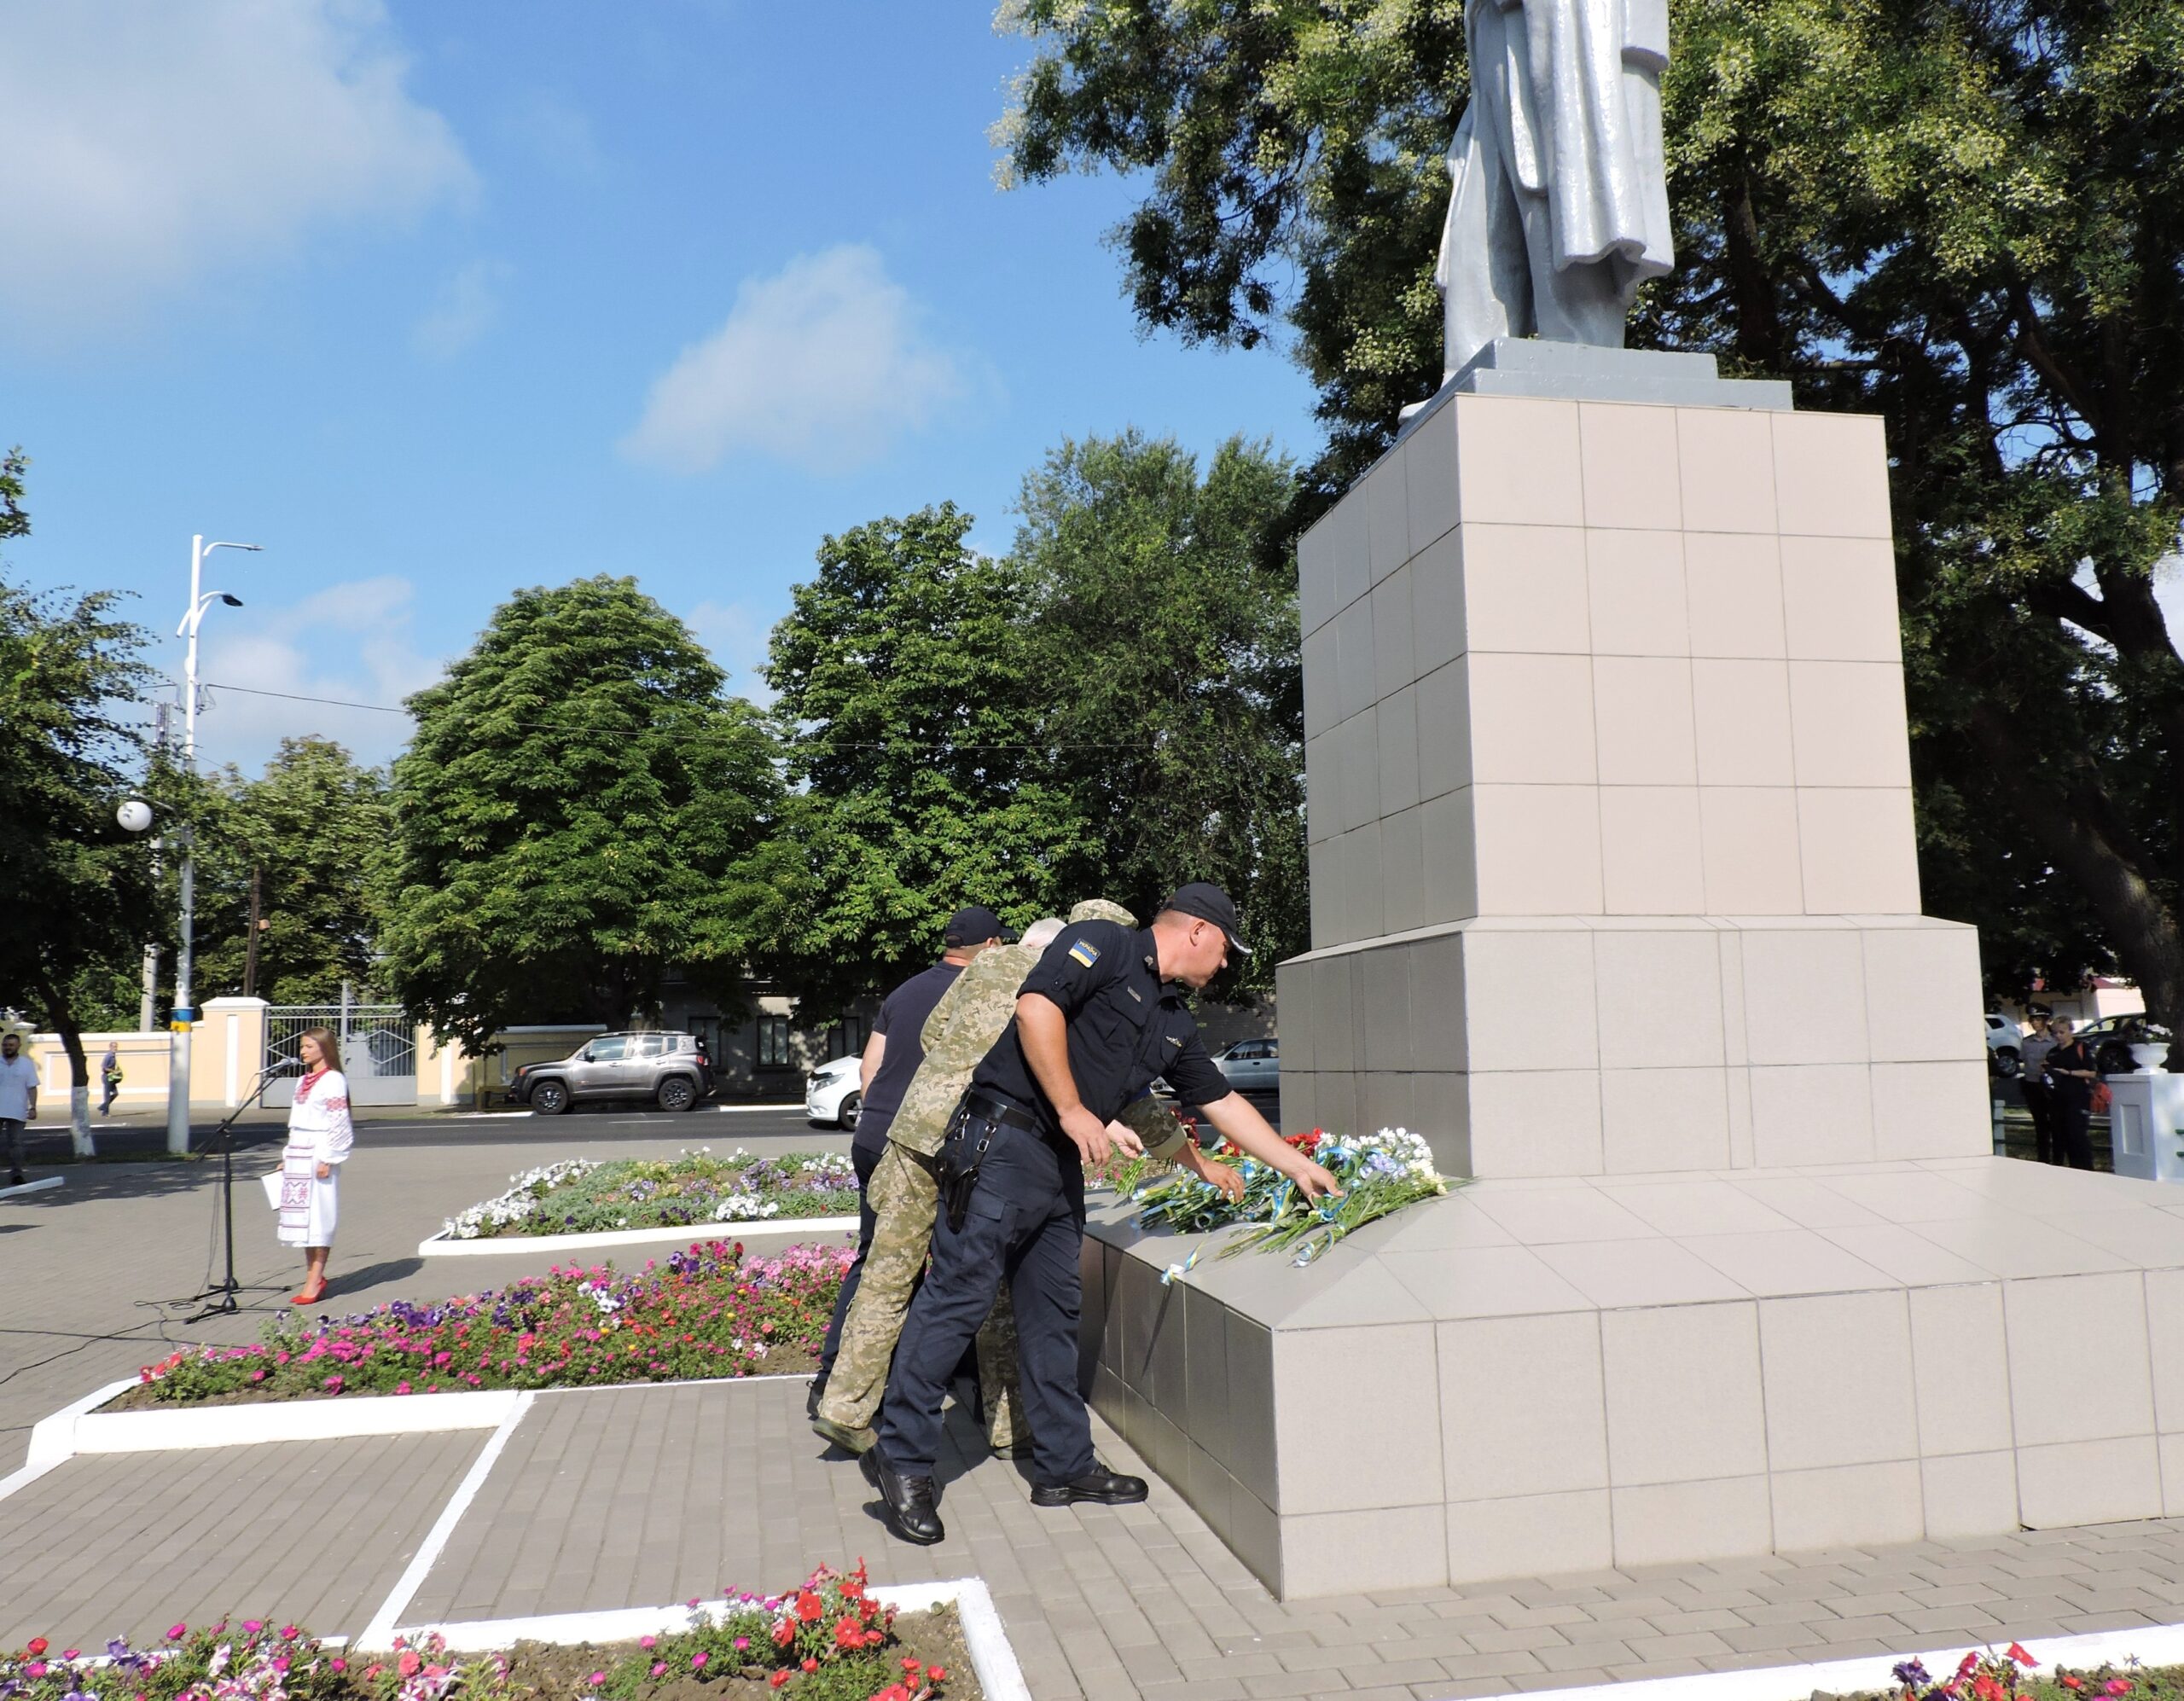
778	1679
784	1633
936	1673
408	1663
848	1635
810	1664
2069	1683
37	1645
2016	1651
809	1607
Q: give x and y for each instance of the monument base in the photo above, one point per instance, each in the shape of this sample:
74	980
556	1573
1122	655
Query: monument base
1563	1374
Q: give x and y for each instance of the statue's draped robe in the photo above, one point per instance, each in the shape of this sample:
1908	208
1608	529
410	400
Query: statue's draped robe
1559	208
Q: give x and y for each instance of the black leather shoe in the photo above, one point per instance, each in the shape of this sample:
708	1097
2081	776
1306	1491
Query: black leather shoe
812	1400
1099	1485
907	1501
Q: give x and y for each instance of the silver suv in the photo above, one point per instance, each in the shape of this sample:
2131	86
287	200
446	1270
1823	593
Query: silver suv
671	1069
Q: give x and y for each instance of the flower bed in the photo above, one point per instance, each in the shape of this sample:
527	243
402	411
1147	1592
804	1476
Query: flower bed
586	1196
826	1640
707	1312
1379	1173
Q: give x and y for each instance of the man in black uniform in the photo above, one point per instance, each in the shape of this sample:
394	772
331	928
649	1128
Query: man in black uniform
890	1058
1101	1016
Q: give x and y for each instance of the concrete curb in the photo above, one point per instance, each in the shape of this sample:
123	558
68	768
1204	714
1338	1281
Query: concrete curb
991	1657
37	1187
501	1245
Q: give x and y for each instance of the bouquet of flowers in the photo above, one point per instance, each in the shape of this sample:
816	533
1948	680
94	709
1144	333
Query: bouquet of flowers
1379	1173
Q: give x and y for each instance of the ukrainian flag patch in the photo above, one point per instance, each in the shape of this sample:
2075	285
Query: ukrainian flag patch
1083	954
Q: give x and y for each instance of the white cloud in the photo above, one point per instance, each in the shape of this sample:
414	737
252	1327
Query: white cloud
824	365
147	145
738	639
352	641
463	311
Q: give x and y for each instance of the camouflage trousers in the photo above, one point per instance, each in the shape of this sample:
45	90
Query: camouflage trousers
904	1194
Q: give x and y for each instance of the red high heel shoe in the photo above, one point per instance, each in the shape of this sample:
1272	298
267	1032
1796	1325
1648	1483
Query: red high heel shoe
308	1298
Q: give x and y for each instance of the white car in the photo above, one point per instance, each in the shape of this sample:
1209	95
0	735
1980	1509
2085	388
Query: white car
2002	1039
831	1095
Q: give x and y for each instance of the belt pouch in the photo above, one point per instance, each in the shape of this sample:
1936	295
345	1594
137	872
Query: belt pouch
962	1153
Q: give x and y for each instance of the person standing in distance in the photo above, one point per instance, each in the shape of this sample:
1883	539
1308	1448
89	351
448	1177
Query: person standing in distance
1101	1015
890	1058
18	1101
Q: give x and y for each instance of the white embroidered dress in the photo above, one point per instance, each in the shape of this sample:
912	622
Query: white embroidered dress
319	1132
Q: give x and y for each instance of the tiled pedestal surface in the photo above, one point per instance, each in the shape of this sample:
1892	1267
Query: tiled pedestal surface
1614	899
1563	1374
1610	803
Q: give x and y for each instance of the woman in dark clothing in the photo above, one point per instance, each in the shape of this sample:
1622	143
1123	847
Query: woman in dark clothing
2072	1074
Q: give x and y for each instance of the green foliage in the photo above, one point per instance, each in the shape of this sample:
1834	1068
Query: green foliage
82	898
1968	217
581	808
911	703
314	826
1164	630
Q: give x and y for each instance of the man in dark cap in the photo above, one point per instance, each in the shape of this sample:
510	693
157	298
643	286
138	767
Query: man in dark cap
890	1058
1099	1017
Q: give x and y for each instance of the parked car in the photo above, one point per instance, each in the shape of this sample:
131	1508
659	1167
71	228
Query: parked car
670	1069
2122	1045
1251	1066
2003	1058
833	1093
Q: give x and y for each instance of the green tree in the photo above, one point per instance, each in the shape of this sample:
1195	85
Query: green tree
313	828
1968	216
81	896
907	685
1164	630
581	809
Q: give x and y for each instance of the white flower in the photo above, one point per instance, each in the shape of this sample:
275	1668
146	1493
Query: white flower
743	1207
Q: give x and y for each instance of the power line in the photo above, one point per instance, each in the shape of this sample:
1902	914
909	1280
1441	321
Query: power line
618	731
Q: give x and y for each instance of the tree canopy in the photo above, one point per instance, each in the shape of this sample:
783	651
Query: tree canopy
581	808
1967	216
910	704
314	828
83	895
1164	630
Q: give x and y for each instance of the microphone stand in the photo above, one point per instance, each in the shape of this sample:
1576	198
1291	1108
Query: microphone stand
226	1305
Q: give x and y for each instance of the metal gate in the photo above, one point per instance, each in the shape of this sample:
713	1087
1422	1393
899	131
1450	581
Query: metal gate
379	1050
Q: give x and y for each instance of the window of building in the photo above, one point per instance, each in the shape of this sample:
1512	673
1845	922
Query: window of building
773	1043
846	1037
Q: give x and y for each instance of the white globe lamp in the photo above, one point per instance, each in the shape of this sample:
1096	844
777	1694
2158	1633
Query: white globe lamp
135	815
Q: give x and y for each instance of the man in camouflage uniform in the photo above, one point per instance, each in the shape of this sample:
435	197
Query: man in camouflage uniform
905	1192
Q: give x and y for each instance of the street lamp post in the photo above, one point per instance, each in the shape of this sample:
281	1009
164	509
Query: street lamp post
185	1012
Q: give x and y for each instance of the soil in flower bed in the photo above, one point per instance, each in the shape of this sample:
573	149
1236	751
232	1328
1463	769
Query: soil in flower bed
709	1311
585	1196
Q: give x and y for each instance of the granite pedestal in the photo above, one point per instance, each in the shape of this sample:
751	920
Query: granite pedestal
1614	899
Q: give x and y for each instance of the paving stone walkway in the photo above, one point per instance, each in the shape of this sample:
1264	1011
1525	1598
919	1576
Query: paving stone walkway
627	1497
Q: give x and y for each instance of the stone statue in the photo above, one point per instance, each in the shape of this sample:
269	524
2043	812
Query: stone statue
1560	207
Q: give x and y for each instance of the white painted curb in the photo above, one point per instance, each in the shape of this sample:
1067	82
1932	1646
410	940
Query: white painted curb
2151	1644
53	1439
36	1186
991	1657
440	1246
245	1424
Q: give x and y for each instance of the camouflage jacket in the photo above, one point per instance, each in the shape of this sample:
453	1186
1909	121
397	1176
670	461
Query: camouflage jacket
963	1028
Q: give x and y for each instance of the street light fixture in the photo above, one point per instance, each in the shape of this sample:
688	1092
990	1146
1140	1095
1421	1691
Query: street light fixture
200	602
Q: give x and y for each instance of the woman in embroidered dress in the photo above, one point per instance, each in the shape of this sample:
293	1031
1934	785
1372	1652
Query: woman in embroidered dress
319	1138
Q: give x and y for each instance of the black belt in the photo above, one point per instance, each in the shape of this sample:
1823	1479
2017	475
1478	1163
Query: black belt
990	1107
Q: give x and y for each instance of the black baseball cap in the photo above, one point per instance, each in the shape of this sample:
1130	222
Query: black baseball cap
1207	902
973	925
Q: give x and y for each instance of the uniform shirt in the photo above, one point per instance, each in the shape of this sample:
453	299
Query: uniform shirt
1124	1026
902	1018
18	1081
2032	1054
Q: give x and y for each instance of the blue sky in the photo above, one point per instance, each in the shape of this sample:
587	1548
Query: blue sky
437	301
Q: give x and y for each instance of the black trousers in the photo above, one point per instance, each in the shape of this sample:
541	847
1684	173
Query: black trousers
2073	1114
864	1163
1024	1226
2039	1100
